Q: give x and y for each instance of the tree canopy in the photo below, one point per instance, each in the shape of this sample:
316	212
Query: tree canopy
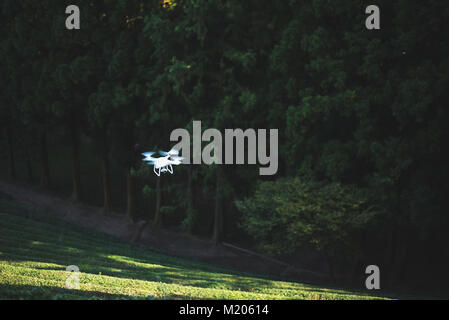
362	116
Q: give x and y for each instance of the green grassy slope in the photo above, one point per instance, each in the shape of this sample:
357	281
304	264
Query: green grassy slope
36	248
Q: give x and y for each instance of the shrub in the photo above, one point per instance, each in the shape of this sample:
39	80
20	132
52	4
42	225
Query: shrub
284	215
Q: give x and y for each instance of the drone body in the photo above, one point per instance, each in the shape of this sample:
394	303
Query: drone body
165	163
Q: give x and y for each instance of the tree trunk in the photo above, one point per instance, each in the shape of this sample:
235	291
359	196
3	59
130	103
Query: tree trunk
190	210
390	255
76	174
400	257
131	195
358	269
12	162
29	165
29	154
218	214
330	265
157	215
106	185
45	168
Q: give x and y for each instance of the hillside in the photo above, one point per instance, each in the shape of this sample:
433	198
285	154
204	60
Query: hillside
36	248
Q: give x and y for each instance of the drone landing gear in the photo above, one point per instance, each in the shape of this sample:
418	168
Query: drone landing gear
168	168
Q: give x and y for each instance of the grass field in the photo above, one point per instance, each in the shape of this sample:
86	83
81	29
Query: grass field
36	248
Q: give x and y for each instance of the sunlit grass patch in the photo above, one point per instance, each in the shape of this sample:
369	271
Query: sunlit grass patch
36	248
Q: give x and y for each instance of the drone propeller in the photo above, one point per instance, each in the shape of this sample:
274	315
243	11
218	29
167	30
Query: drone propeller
148	154
172	152
177	160
148	157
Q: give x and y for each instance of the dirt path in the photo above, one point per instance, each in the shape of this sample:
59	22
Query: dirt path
143	233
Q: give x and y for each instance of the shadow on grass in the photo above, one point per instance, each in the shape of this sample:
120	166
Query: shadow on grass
27	292
97	261
127	262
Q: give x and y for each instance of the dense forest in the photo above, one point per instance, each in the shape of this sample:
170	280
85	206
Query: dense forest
362	118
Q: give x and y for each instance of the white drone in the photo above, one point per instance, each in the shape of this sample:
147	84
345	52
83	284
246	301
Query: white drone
164	163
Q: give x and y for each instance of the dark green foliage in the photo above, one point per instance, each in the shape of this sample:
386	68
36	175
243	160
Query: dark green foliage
356	110
289	213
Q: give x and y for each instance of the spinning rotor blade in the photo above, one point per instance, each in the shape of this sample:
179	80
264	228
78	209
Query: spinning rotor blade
148	154
177	160
148	157
172	152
